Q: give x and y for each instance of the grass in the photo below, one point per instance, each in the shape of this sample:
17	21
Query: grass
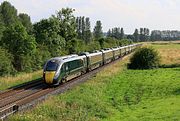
170	53
7	82
118	94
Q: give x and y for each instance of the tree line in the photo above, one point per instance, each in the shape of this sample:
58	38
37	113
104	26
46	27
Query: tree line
166	35
25	47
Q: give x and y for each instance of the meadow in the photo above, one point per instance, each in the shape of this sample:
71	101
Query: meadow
170	53
119	94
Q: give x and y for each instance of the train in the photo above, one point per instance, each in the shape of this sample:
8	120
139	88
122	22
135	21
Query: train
58	70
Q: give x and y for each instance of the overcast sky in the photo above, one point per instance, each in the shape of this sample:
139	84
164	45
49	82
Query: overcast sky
129	14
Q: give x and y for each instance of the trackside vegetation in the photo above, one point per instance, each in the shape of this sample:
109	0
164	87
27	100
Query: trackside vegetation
20	78
117	94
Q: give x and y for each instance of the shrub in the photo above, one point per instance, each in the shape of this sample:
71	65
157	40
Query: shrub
144	58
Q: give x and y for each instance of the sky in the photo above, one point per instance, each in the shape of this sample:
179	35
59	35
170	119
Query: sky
129	14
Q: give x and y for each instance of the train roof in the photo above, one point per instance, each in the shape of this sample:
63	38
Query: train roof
117	48
107	50
95	53
63	57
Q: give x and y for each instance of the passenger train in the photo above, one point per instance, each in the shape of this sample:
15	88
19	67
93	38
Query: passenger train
61	69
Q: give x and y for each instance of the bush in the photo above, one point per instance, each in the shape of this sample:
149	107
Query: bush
144	58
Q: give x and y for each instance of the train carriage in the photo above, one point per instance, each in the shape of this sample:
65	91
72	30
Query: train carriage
126	49
108	55
94	60
122	51
134	47
74	67
116	52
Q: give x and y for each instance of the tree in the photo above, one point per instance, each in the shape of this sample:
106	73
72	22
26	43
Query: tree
136	35
122	34
109	33
83	28
101	42
156	35
2	27
26	21
47	33
117	33
17	41
8	13
67	23
144	34
141	34
78	27
6	67
98	33
88	35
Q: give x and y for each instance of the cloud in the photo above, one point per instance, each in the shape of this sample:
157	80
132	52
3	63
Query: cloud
130	14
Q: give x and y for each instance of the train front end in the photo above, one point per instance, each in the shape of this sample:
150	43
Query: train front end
51	72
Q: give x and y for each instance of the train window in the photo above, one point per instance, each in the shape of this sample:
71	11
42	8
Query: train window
51	66
66	67
75	64
62	68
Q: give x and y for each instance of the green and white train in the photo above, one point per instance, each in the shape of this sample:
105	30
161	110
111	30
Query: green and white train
60	69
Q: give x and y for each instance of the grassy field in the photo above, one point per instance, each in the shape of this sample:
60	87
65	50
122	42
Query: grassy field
118	94
7	82
170	53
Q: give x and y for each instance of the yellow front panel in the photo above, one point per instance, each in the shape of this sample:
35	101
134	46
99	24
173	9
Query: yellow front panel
49	76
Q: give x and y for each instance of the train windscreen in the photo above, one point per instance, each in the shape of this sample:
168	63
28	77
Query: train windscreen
51	66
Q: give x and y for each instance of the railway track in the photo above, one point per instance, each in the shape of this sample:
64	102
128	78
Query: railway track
28	95
19	88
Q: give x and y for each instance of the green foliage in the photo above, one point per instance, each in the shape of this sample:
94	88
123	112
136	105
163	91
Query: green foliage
2	27
98	33
136	35
8	13
124	42
67	23
101	42
6	66
40	57
88	34
110	42
93	45
16	40
122	34
72	46
144	34
47	34
83	29
116	32
165	35
144	58
26	21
